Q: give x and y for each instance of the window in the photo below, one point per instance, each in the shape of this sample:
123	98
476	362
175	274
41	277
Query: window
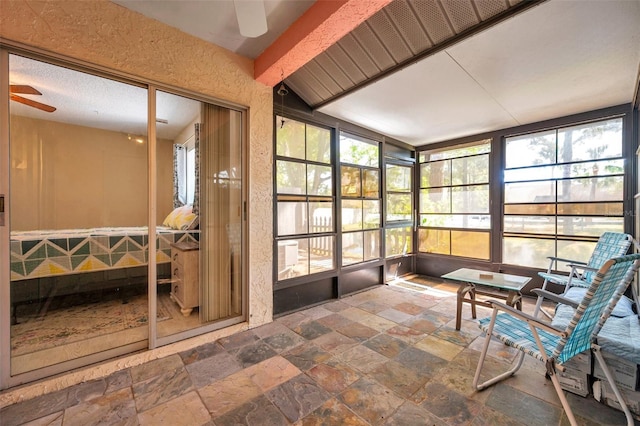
454	201
305	199
399	212
360	205
562	189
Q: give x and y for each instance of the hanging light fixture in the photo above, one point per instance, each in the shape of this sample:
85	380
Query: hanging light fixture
282	91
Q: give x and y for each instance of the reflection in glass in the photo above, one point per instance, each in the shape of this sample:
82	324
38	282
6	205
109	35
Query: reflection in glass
469	170
291	177
530	252
351	186
351	215
434	241
290	138
360	151
370	183
398	241
319	180
352	248
470	199
292	218
318	144
437	200
371	212
471	244
433	175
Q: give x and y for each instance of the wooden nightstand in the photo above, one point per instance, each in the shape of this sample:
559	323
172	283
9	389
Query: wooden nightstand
185	276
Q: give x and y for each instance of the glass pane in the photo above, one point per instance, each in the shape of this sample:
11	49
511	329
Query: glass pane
592	189
398	241
370	184
290	138
531	150
474	148
531	252
398	207
530	192
292	258
435	174
456	221
363	152
469	170
470	199
437	200
320	217
352	248
591	141
79	219
530	224
434	241
574	250
292	218
471	244
319	180
318	144
399	178
371	245
321	254
351	215
371	213
585	169
350	182
531	209
589	226
602	209
291	178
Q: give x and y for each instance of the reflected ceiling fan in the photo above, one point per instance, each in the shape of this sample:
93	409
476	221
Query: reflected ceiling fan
252	18
15	90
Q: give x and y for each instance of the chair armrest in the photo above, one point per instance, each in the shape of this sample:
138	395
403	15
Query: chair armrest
555	297
582	267
561	259
499	306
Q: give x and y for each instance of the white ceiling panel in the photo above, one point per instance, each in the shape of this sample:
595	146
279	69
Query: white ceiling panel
555	59
432	100
560	58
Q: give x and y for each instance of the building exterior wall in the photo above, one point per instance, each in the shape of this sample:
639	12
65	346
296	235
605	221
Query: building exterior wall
101	33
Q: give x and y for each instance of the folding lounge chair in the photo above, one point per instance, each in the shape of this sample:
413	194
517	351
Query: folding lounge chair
609	245
553	346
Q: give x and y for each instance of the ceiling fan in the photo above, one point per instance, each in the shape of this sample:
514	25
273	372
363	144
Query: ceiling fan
252	18
27	90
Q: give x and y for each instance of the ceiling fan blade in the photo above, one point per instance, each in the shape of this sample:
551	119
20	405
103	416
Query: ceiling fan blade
251	16
34	104
23	89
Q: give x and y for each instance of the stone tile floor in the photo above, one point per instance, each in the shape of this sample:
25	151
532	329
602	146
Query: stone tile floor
386	356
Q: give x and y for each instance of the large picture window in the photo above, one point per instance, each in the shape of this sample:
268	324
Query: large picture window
454	201
562	189
305	200
360	205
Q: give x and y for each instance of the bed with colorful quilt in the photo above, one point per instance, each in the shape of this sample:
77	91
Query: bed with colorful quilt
39	254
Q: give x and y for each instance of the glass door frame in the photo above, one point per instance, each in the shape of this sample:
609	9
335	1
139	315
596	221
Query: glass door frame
153	341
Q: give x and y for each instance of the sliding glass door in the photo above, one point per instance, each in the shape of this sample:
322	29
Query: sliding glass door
119	234
78	207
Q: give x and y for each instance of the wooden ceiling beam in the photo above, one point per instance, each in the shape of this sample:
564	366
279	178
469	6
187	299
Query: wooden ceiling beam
322	25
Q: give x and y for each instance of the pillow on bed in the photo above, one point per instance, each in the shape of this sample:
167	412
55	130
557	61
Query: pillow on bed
181	218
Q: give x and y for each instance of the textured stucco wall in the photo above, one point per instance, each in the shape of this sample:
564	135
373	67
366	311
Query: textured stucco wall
105	34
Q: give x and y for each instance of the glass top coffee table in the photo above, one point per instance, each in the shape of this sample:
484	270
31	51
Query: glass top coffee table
491	283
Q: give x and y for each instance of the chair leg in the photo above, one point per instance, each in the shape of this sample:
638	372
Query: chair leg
483	355
610	378
538	307
563	399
